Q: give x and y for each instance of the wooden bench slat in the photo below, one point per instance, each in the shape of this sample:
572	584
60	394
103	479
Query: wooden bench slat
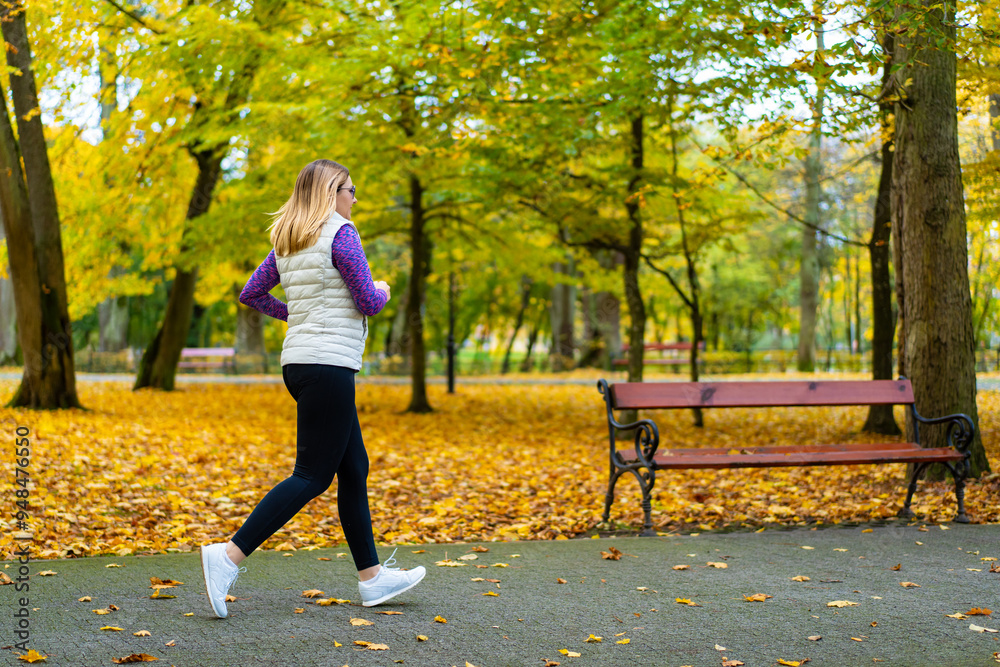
759	394
678	462
780	449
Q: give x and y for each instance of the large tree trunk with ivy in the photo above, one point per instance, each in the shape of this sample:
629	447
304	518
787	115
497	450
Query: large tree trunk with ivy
880	417
929	210
33	236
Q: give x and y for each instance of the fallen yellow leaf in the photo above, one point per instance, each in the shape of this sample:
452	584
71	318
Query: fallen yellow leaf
32	656
757	597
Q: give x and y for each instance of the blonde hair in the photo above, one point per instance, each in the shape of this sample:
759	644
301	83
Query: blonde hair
297	224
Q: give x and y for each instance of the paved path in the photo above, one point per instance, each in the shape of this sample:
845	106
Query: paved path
534	616
983	384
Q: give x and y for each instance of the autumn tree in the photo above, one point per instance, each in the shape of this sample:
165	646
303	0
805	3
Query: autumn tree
31	222
930	236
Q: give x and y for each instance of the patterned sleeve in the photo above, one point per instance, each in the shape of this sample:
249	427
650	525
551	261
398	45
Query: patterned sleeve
349	258
256	292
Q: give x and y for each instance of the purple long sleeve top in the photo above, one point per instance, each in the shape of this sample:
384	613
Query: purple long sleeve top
348	257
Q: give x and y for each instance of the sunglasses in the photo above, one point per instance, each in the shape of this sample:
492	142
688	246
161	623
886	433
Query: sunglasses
351	189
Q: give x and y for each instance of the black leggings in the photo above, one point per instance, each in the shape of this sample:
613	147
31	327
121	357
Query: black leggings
329	443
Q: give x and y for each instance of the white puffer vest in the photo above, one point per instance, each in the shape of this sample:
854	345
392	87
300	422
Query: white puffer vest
324	324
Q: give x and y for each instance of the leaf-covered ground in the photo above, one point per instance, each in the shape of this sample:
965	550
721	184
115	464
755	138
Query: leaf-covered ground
152	471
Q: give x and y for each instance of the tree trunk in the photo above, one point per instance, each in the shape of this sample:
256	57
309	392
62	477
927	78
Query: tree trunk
590	343
158	366
395	338
859	339
113	317
848	333
929	209
250	332
419	253
525	302
561	356
113	312
693	301
8	317
532	337
880	418
608	313
633	295
34	241
809	268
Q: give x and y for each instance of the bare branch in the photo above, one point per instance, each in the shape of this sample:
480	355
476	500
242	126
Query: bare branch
769	202
670	279
135	17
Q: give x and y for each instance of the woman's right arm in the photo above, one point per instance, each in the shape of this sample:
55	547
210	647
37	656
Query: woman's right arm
256	292
349	258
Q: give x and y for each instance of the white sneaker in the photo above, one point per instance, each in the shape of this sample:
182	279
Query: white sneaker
389	582
220	574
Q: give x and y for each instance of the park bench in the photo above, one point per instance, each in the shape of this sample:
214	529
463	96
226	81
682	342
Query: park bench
646	457
661	347
228	355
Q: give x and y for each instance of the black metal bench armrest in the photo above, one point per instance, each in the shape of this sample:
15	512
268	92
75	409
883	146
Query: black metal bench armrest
961	430
647	436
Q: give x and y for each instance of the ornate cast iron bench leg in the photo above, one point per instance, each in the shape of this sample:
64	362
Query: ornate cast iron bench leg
960	497
609	497
959	478
906	512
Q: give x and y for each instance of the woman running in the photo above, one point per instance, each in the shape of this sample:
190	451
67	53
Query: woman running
318	259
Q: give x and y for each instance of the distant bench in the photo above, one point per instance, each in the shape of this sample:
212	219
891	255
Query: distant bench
646	457
228	355
661	347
